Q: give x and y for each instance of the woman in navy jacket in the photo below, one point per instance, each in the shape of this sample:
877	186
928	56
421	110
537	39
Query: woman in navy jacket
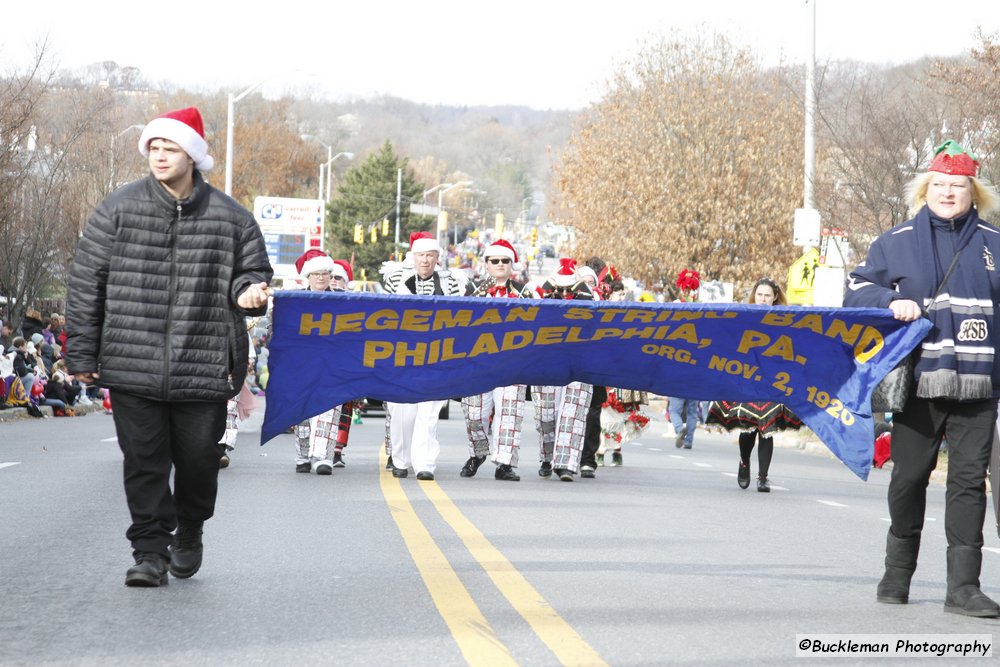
956	372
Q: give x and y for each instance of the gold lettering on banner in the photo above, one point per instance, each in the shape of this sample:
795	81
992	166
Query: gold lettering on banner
307	323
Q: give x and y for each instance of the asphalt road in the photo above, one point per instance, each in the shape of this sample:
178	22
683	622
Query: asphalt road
662	561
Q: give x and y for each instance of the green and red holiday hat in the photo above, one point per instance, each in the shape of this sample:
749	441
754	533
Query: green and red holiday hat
951	158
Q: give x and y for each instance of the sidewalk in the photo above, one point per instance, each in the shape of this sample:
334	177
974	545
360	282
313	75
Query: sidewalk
17	414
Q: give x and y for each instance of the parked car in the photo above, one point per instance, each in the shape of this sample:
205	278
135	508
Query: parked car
546	250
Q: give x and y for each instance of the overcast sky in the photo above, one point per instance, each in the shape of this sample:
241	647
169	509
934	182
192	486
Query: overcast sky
540	53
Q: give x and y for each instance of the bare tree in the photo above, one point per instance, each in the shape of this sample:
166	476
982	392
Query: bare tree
690	161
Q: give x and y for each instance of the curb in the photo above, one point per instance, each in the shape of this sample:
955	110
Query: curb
20	414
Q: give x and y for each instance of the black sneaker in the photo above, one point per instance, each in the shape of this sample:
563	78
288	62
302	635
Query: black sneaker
425	475
505	473
186	551
399	472
149	571
303	467
616	458
338	460
471	466
588	472
545	470
743	475
763	485
564	474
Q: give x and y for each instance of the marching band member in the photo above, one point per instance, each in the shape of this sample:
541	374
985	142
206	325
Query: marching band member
502	407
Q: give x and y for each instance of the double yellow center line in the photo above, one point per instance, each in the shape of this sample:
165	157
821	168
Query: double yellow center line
472	632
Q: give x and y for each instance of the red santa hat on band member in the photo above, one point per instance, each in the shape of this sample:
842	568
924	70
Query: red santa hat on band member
585	271
566	275
314	260
343	269
424	242
184	128
500	248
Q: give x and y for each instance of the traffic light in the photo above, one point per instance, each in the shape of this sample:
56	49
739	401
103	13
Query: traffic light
385	226
498	228
359	234
374	233
534	236
443	220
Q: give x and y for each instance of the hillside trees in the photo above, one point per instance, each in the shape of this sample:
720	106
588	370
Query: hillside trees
692	160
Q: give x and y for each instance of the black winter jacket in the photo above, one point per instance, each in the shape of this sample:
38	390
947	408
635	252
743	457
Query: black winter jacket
153	289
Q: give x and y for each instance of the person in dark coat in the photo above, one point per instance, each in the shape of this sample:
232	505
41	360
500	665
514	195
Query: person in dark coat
165	272
941	264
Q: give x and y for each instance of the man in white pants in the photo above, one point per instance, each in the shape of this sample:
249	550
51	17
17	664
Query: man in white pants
413	426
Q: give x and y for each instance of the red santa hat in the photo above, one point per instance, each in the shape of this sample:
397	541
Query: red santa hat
500	248
424	242
314	260
343	269
566	275
184	128
584	271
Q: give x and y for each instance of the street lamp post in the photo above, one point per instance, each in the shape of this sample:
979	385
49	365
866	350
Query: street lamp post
329	158
443	189
229	133
114	137
327	167
329	170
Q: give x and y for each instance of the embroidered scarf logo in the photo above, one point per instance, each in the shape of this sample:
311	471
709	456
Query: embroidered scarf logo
973	330
988	259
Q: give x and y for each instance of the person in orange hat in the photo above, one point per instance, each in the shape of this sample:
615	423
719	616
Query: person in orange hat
493	419
941	264
165	273
413	426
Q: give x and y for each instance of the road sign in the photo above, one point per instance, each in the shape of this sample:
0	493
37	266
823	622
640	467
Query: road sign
290	227
833	247
802	278
806	227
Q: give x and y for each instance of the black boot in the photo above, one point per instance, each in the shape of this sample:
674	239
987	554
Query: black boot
149	571
471	466
505	473
964	596
186	551
900	562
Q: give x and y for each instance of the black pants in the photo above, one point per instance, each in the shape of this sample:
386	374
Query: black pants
592	436
154	437
916	436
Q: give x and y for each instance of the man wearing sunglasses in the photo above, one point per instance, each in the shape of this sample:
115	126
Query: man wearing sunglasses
502	407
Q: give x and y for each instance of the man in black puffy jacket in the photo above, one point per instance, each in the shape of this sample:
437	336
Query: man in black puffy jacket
164	274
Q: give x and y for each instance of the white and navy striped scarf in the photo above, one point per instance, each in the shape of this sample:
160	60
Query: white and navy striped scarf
956	360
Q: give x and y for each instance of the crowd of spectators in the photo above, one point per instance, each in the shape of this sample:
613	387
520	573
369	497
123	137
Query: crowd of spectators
32	371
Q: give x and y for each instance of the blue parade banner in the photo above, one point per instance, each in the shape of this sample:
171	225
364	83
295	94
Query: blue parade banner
330	347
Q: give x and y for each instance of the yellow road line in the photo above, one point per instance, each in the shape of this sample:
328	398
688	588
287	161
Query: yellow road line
568	646
472	632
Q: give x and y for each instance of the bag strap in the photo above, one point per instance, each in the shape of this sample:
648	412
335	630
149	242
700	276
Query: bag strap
937	292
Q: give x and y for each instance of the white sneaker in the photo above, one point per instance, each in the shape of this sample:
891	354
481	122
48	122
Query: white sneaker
84	400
